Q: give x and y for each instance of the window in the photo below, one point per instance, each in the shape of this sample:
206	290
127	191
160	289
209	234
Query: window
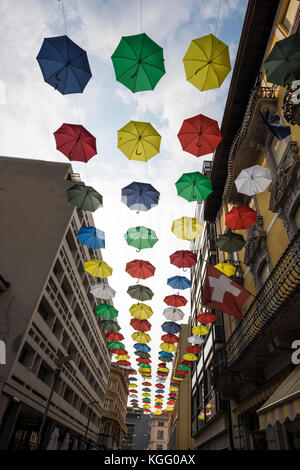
111	384
161	423
278	149
108	404
160	434
159	447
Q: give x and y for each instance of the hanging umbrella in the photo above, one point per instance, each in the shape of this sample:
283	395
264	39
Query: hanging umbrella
146	389
139	141
84	197
75	142
122	357
162	364
273	122
173	314
253	180
230	242
171	327
241	217
142	347
159	400
133	379
132	385
140	325
171	402
140	269
175	300
141	337
166	359
158	385
168	347
182	367
132	391
226	268
140	196
187	363
98	268
141	354
159	391
187	228
106	311
163	369
207	62
194	186
189	357
92	237
120	351
283	63
181	372
198	135
147	384
157	412
159	396
166	354
140	292
146	400
179	282
112	336
109	325
206	317
141	311
115	345
171	339
64	65
102	291
146	394
141	237
200	330
138	62
193	349
123	363
194	339
183	259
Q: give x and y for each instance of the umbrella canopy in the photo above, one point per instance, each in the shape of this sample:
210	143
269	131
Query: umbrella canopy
138	62
170	327
84	197
168	347
98	268
146	389
179	282
122	357
132	385
171	339
112	336
187	228
147	384
139	141
109	325
283	63
166	359
141	237
75	142
200	330
159	396
166	354
253	180
142	354
241	217
173	314
140	292
192	350
230	242
183	259
102	291
194	186
146	400
226	268
120	351
194	339
123	363
142	347
64	65
189	357
175	300
206	317
140	196
142	360
207	62
140	325
141	337
141	311
115	345
198	135
140	269
92	237
106	311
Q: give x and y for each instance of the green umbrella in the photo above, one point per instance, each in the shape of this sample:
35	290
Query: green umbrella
147	400
138	62
110	326
165	359
106	311
283	63
84	197
194	186
183	367
230	242
141	237
115	345
142	354
144	366
140	292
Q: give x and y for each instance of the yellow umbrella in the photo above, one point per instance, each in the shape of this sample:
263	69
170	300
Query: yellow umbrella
139	141
200	330
163	369
157	412
168	347
207	62
174	389
145	371
146	394
190	357
141	337
122	357
141	311
146	406
132	385
177	378
159	400
226	268
187	228
170	408
98	268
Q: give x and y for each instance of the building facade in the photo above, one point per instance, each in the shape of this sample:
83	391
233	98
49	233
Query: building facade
159	432
138	430
53	339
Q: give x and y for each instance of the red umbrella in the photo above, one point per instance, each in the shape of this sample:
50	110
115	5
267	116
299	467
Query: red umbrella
75	142
199	135
162	364
159	396
118	351
160	386
181	372
140	325
142	360
140	269
183	259
147	384
123	363
111	336
187	363
171	402
170	339
175	300
162	374
241	217
173	395
132	391
158	407
130	372
206	317
147	411
192	350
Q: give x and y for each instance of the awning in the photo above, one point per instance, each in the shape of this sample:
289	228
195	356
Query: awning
283	404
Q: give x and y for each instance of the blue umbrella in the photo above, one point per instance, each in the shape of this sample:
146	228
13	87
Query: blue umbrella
142	347
140	196
133	379
179	282
165	354
273	123
159	391
92	237
171	327
64	65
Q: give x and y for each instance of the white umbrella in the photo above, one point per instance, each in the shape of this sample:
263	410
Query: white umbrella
194	339
53	441
102	291
66	441
253	180
173	314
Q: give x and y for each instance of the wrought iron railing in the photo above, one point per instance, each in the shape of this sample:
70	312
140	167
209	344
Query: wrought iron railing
277	291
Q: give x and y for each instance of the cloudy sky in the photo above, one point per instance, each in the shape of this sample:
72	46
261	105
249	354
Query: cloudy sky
31	111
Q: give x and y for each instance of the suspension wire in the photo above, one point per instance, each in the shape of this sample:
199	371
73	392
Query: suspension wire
63	10
141	16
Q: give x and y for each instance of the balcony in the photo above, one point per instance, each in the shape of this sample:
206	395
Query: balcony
269	326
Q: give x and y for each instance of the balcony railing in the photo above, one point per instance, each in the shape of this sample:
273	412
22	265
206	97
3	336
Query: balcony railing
277	291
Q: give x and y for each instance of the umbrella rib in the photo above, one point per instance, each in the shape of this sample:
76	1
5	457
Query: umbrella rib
124	38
